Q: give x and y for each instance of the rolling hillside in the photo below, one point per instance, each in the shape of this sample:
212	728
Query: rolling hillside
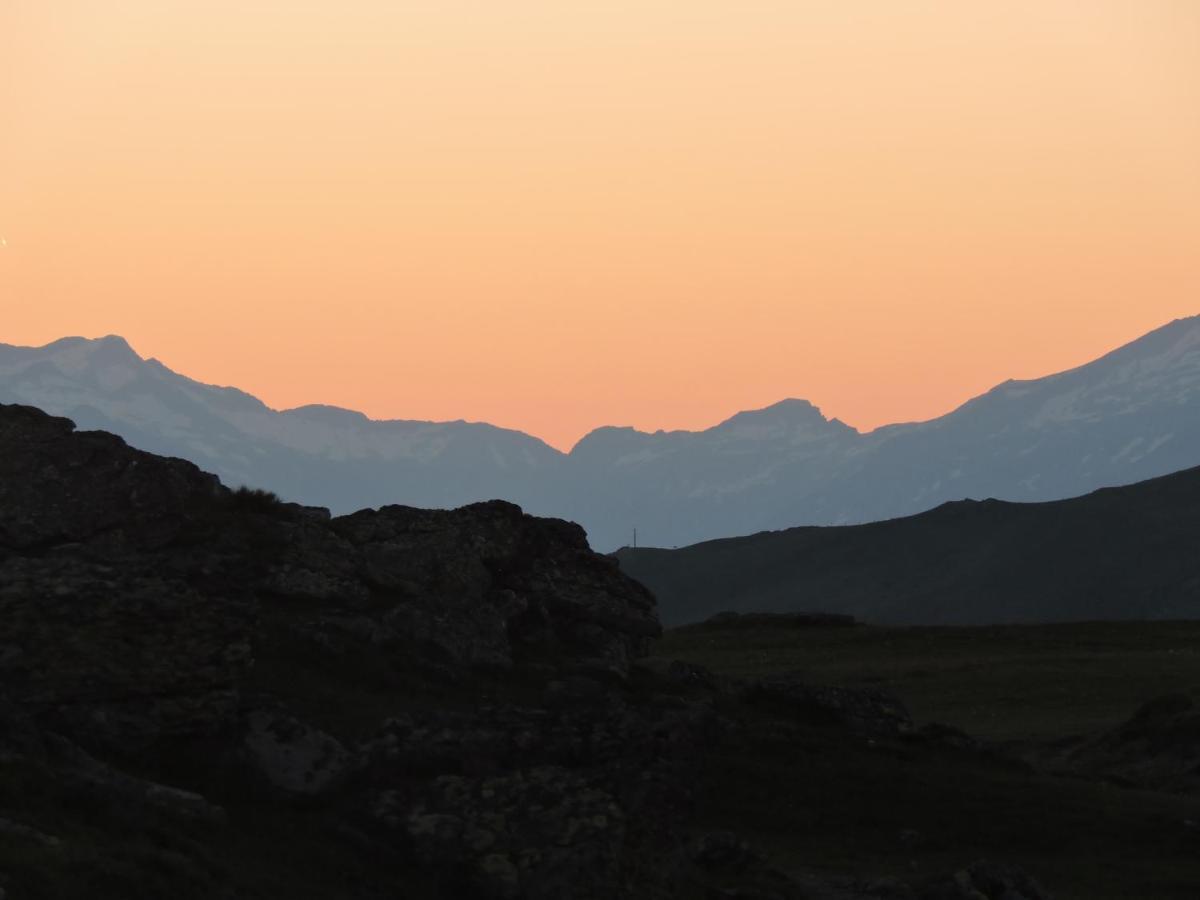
1119	553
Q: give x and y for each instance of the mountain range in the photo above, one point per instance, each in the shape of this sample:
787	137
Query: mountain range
1130	552
1130	415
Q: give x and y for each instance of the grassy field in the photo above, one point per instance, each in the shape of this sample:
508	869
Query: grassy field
835	804
1007	682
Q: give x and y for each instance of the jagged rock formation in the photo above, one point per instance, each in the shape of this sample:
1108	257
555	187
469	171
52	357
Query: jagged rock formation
131	577
206	693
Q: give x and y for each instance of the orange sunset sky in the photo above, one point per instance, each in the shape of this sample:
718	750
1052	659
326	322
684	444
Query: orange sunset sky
556	215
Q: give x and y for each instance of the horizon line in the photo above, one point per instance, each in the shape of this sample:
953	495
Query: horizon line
566	452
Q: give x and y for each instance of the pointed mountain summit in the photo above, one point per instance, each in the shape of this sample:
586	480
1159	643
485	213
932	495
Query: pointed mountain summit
787	418
71	354
790	411
1130	415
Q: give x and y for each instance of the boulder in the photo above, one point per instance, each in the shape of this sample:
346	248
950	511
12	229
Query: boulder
292	755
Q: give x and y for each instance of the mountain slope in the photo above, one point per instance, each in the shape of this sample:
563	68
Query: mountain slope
680	486
322	455
1130	415
1120	553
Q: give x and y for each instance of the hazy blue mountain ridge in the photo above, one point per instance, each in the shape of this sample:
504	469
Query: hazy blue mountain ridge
320	455
1130	415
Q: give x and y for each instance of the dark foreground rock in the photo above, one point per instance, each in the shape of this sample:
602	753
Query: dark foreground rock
210	693
984	879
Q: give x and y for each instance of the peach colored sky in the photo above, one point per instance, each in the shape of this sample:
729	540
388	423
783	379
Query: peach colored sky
554	215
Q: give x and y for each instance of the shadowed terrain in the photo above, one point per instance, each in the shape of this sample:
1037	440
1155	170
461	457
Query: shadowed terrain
208	693
1100	802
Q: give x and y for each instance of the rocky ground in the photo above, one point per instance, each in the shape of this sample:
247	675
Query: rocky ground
208	693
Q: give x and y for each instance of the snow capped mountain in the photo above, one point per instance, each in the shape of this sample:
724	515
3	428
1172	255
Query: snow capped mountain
1130	415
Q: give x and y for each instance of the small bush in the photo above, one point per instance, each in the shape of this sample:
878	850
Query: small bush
256	500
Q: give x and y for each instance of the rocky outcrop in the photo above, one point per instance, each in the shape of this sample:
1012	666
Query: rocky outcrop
120	652
488	585
126	618
132	584
138	594
292	755
59	488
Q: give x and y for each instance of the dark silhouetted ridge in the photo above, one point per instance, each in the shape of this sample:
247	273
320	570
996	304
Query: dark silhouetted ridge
1131	552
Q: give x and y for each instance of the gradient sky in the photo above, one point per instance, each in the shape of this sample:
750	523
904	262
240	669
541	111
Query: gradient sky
555	215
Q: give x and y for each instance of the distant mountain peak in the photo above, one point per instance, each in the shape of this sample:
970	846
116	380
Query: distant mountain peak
115	341
79	354
110	346
791	410
112	341
788	419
